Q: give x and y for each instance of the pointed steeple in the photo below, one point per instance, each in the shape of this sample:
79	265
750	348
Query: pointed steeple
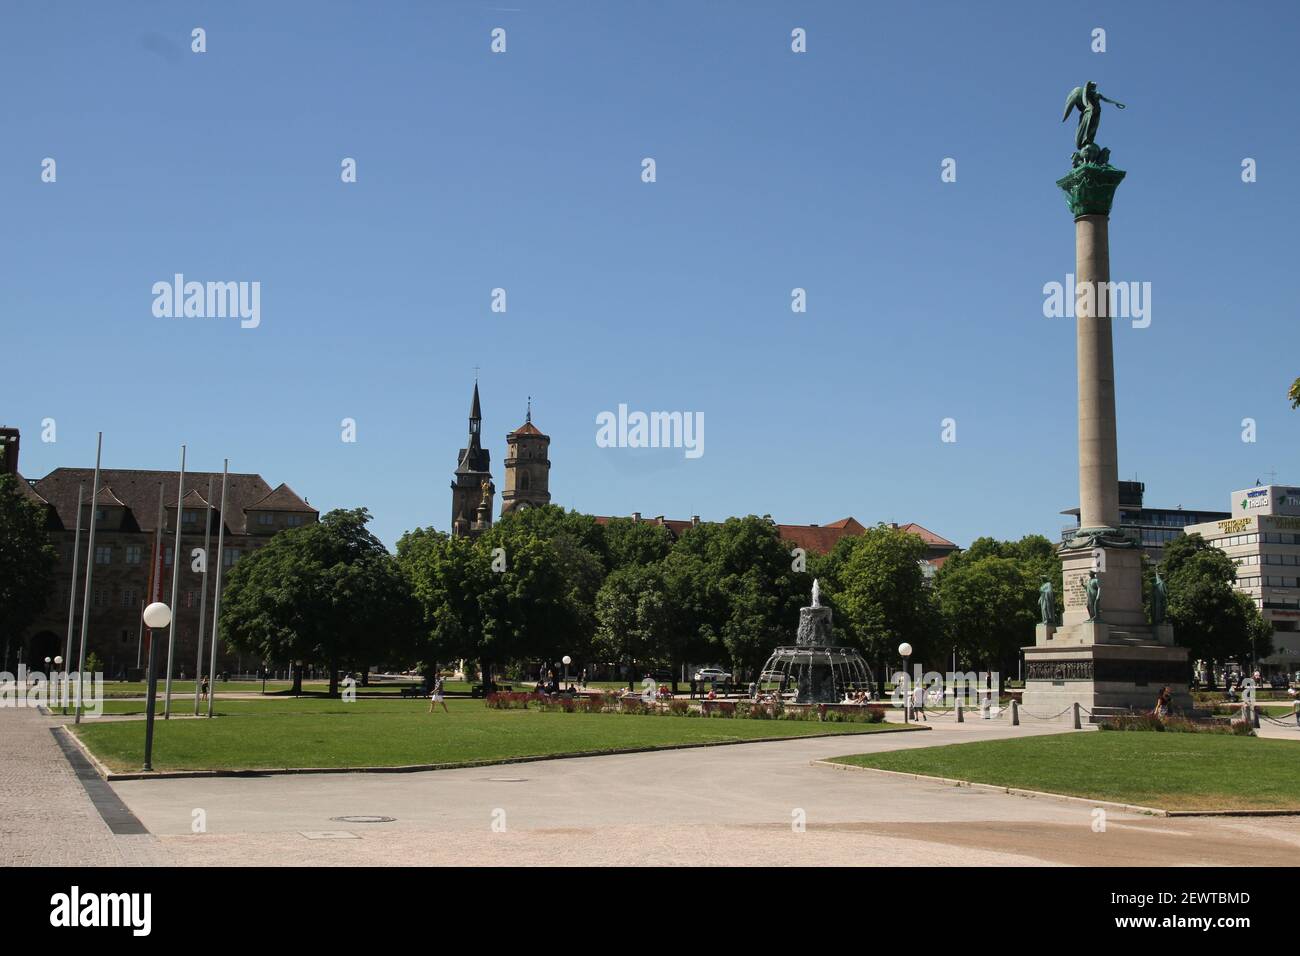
529	417
475	413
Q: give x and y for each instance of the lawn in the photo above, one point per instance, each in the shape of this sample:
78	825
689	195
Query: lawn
313	732
1172	771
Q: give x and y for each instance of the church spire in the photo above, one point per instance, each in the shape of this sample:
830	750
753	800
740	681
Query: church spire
529	417
475	419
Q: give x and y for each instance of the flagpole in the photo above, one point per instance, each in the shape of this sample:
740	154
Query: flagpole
203	597
155	592
216	599
90	570
72	598
176	580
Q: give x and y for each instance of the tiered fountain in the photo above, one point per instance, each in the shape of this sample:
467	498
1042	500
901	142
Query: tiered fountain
820	672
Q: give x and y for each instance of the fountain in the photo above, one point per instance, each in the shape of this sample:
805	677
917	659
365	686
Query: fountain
819	672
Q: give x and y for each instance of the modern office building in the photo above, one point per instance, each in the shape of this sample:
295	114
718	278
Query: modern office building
1262	536
1153	528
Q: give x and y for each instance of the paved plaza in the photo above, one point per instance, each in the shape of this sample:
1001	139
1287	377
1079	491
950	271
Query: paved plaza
721	805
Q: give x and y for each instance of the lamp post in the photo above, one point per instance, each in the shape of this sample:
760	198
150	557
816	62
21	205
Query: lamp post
156	616
906	650
566	660
58	662
49	675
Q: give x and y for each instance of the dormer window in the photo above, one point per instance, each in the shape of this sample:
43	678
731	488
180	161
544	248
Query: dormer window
265	519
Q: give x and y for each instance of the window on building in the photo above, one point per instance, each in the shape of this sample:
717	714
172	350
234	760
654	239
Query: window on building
133	553
101	597
189	516
128	597
167	556
230	557
103	554
265	518
293	521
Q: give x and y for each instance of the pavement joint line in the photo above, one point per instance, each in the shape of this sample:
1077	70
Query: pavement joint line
115	814
1065	797
112	777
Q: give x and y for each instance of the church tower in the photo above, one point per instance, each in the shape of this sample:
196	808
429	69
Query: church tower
472	488
528	469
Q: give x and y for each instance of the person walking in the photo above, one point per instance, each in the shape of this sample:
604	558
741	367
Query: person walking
436	696
918	703
203	687
1163	700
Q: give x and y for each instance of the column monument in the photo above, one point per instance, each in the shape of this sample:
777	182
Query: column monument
1104	653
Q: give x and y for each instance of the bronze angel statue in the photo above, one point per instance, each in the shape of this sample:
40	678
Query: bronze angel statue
1088	102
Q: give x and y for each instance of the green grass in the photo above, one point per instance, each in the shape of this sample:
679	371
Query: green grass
312	732
1164	770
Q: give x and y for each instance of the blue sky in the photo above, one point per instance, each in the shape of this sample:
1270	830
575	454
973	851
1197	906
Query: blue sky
522	171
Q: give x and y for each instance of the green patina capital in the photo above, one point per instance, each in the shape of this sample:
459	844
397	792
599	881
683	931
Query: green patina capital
1090	188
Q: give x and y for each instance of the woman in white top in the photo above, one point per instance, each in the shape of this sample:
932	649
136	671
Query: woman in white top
436	696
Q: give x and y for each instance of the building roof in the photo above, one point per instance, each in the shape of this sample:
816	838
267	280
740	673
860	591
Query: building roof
926	535
139	489
106	496
192	499
283	498
527	428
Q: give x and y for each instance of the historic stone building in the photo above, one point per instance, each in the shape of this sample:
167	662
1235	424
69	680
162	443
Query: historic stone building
126	516
527	467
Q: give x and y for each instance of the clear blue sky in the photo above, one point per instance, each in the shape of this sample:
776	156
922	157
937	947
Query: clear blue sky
522	171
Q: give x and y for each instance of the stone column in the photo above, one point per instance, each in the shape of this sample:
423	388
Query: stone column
1098	453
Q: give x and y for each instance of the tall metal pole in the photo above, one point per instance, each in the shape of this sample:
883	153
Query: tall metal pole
72	598
203	597
176	580
155	592
90	569
216	598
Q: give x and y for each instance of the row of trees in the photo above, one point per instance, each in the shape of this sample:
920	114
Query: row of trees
545	582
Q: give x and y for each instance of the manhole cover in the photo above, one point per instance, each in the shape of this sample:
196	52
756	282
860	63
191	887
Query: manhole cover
364	819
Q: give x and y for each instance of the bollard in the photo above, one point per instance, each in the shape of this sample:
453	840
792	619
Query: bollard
1077	724
961	719
1254	716
1015	713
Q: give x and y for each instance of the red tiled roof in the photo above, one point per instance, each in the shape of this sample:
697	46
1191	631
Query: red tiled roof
928	536
527	428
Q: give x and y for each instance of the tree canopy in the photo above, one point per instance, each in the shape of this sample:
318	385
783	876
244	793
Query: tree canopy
327	593
26	561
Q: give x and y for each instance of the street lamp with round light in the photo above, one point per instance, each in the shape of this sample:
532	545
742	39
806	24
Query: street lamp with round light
156	616
566	660
54	685
906	650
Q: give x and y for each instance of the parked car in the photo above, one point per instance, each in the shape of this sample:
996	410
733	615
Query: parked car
712	675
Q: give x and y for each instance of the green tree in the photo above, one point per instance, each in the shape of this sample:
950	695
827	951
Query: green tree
26	562
1294	394
630	542
876	584
735	590
526	588
1209	616
326	593
989	608
635	621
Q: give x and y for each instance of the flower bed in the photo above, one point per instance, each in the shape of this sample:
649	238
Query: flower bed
1176	725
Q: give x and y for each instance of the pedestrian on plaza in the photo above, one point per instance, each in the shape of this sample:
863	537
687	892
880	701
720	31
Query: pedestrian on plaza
203	687
918	703
436	696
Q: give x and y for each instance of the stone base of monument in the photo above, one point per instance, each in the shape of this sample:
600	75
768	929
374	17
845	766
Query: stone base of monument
1101	667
